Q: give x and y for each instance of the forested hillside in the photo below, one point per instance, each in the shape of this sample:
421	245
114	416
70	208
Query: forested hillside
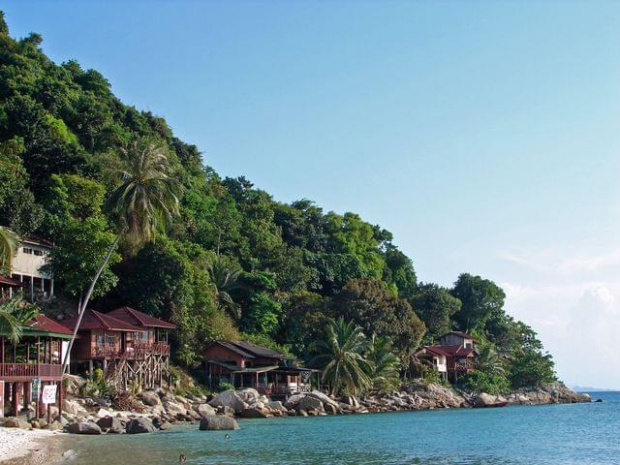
234	262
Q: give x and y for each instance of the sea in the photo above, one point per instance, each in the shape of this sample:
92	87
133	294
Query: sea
573	434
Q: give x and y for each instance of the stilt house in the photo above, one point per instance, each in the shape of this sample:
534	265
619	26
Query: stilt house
129	346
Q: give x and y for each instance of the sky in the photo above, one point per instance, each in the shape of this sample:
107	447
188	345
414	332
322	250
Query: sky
484	135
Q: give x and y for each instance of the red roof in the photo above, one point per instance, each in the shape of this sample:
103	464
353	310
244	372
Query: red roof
43	323
95	320
134	317
451	351
10	282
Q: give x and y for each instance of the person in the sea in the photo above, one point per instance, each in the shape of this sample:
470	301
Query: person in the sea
182	459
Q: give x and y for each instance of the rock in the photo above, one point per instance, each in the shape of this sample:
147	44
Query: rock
110	425
230	399
72	407
293	400
302	413
140	425
150	398
102	413
248	395
84	427
276	405
13	422
323	398
165	426
73	384
484	400
350	400
54	426
310	403
205	409
331	409
217	422
174	408
253	412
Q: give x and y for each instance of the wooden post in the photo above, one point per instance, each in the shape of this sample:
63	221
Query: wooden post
60	398
15	399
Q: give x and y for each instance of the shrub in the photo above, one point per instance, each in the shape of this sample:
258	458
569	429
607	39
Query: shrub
479	381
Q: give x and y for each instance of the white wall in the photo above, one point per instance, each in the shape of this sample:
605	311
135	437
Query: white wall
30	264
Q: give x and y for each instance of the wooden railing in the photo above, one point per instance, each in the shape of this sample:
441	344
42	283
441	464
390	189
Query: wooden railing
30	370
134	350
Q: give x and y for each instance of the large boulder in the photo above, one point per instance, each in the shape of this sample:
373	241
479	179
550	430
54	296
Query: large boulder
310	403
150	398
72	407
204	410
323	398
248	395
174	408
140	425
230	399
111	425
73	384
14	422
293	400
54	426
218	422
84	427
484	400
256	412
276	405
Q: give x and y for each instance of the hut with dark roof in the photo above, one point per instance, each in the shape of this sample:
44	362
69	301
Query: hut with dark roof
130	347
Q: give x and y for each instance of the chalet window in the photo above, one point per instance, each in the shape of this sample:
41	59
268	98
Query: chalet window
27	250
142	336
38	253
100	339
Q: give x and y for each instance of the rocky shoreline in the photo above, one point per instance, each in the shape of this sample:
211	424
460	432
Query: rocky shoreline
151	411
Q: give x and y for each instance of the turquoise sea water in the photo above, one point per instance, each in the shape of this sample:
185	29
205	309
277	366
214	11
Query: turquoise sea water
549	434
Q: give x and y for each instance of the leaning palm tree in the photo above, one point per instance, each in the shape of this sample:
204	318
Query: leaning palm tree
145	194
384	364
14	314
8	246
341	357
225	278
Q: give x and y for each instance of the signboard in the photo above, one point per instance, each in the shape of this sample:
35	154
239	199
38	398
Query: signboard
49	394
36	389
1	399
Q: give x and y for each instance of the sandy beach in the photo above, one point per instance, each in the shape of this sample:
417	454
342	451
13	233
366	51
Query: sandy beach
29	447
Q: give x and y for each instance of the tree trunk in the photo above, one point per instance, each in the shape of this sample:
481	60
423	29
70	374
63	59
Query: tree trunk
84	304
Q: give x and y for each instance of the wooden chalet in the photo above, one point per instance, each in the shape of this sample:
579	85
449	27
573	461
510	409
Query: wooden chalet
9	287
128	345
34	362
453	357
243	364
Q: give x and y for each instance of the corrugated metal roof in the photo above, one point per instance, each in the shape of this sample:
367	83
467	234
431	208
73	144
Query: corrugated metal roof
134	317
95	320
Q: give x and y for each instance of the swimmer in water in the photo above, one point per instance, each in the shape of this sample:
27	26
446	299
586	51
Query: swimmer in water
182	459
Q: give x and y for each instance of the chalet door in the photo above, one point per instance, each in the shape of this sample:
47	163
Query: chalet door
1	399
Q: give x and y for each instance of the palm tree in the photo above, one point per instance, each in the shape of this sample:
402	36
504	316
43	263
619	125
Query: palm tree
225	277
14	314
384	364
341	357
489	361
8	246
145	192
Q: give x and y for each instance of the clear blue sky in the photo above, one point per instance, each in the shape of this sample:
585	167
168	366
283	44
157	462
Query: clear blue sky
484	135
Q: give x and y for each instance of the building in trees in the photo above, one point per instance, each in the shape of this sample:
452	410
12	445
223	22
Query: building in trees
130	347
27	268
453	357
243	364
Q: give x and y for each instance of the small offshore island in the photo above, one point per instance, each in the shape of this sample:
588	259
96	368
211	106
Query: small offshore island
140	291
